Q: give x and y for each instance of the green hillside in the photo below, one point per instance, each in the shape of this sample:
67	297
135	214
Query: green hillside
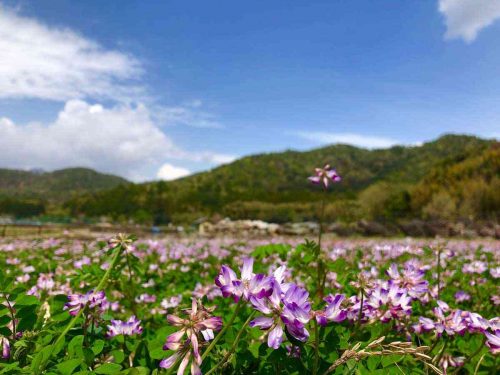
27	193
384	184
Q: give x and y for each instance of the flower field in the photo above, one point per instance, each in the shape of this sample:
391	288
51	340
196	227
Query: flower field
220	306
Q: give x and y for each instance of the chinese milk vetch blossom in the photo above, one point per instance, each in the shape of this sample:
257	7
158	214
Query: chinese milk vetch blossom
287	309
199	324
92	300
388	302
453	323
4	342
411	278
324	176
493	341
249	285
462	296
126	328
449	361
333	311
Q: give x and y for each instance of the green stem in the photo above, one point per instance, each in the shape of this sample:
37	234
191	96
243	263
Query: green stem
360	315
441	352
12	316
233	347
116	257
224	329
439	271
319	260
321	218
316	348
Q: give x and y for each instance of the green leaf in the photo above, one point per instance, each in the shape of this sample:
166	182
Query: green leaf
25	300
42	355
108	368
4	320
75	347
138	371
373	362
118	355
98	346
67	367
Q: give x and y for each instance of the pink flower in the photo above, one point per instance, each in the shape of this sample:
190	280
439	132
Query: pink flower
4	342
199	324
324	176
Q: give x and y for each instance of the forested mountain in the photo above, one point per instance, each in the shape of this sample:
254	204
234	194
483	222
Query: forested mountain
451	177
57	185
27	193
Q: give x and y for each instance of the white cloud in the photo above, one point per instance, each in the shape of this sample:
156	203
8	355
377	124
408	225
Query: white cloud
170	172
359	140
122	139
466	18
38	61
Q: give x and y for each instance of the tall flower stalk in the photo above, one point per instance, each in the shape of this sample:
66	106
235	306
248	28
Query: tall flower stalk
322	176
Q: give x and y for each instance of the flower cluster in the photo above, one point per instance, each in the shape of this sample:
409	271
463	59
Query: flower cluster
126	328
285	306
95	301
458	322
248	286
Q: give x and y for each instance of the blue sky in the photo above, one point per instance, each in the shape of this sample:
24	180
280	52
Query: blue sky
158	90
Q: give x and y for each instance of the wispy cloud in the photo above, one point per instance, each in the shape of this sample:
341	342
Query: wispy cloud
466	18
359	140
188	114
43	62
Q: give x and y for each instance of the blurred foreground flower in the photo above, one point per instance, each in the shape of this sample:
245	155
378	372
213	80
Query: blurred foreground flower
5	347
493	341
199	324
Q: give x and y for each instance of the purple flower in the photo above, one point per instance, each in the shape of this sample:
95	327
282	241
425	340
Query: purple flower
475	267
128	328
287	308
91	299
454	323
493	341
45	281
495	272
324	176
333	311
475	322
250	284
389	302
447	360
462	296
5	347
168	303
411	279
145	298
